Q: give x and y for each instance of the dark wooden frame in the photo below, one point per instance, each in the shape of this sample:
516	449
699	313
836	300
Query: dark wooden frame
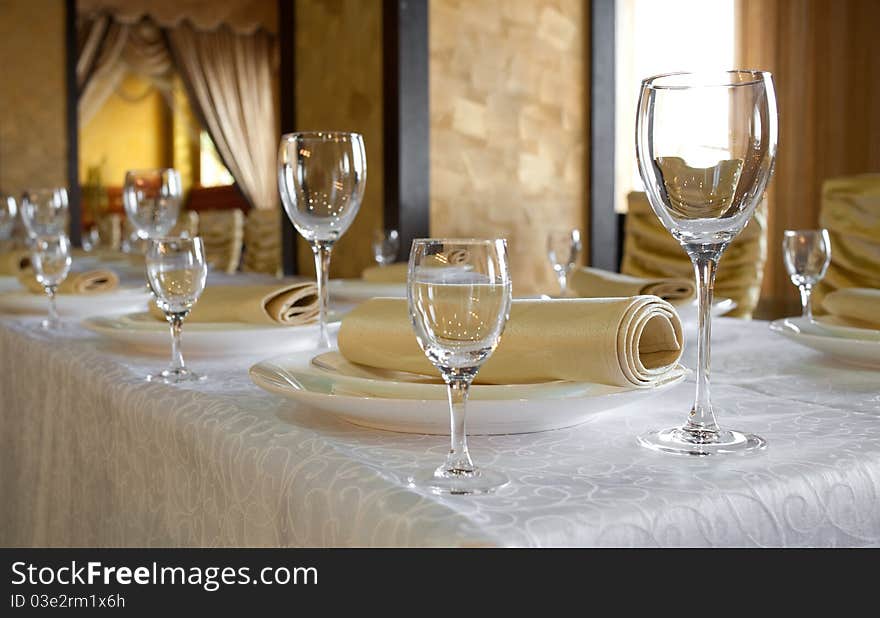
605	236
74	191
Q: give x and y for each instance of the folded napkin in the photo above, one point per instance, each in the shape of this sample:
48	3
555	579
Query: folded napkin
84	282
288	305
596	283
632	342
393	273
12	262
859	307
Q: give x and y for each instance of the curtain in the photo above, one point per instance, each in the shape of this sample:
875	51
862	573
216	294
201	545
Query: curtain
825	57
229	78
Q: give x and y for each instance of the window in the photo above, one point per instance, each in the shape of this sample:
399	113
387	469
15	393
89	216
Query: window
212	172
662	37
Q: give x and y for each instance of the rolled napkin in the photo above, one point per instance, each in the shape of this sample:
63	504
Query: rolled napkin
288	305
631	342
85	282
859	307
12	262
597	283
393	273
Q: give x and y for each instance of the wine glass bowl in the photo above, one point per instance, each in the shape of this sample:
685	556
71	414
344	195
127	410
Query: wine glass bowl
177	272
51	261
807	254
563	249
706	147
459	296
151	199
321	179
8	213
386	244
45	212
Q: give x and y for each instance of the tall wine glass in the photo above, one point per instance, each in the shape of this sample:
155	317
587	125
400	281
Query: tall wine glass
563	249
152	201
706	146
459	302
321	179
177	272
45	212
50	257
806	254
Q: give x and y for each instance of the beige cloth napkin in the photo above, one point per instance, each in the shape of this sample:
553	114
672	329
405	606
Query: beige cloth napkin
393	273
86	282
289	305
597	283
12	262
633	342
858	307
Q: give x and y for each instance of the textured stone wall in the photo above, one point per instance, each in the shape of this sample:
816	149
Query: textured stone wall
339	87
33	128
508	124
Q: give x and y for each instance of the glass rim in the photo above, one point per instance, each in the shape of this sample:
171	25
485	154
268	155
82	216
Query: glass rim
757	76
460	241
817	230
324	136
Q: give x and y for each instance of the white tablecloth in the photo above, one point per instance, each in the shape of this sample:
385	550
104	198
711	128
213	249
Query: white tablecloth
92	455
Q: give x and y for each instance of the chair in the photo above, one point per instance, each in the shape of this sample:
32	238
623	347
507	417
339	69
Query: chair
110	230
222	232
262	241
649	250
850	211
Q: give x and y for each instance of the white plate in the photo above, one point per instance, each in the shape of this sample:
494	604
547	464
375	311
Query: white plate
422	408
147	334
13	299
854	345
358	289
689	312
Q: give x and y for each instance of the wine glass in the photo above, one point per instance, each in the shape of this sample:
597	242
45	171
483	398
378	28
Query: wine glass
807	254
50	258
8	212
177	270
386	244
152	201
321	179
459	301
706	146
45	212
563	249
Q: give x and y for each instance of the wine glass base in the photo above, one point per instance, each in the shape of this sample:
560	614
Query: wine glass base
680	441
175	376
459	483
52	326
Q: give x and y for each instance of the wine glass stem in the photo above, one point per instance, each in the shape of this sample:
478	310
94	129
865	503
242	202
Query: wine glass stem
702	416
807	301
176	322
563	282
322	250
52	320
458	460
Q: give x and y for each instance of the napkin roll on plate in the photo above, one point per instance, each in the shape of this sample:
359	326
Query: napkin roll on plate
630	342
13	262
596	283
84	282
290	305
859	307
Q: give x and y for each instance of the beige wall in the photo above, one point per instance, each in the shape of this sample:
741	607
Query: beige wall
508	124
339	87
33	128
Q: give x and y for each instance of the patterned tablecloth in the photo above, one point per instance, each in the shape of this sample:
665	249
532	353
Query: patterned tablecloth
92	455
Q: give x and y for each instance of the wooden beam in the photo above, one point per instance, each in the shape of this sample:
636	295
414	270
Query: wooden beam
287	95
605	234
74	192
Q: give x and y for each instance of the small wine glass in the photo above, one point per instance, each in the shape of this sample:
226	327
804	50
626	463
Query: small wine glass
177	270
321	179
152	201
8	212
459	295
50	258
563	249
706	146
386	244
45	212
91	239
807	254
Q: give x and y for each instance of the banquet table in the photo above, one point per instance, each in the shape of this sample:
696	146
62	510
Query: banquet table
91	455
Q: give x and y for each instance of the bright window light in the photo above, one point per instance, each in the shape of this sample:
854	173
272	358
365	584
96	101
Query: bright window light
212	172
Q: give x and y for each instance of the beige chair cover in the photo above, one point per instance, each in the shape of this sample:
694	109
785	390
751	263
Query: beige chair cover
262	242
222	232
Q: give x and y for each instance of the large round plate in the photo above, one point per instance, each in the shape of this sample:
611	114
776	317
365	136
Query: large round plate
14	299
422	408
854	345
147	334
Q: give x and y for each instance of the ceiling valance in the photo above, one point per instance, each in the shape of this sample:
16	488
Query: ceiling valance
240	16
